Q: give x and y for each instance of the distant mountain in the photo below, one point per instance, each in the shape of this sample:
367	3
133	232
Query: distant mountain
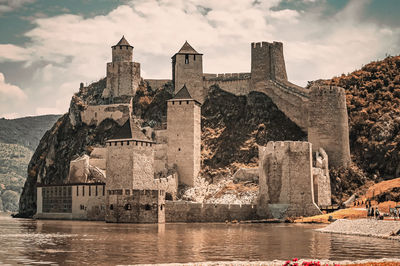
18	140
26	131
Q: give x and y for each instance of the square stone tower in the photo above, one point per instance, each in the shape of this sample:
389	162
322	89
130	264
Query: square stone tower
184	135
123	75
187	69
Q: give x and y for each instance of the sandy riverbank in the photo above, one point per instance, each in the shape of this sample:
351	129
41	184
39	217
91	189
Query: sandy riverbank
365	227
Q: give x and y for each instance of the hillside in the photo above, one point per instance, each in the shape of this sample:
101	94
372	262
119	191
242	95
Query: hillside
26	131
14	161
373	103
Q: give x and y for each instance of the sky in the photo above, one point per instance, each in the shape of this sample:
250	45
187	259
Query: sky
47	47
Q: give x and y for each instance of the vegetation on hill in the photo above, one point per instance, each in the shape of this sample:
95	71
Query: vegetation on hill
373	103
14	160
26	131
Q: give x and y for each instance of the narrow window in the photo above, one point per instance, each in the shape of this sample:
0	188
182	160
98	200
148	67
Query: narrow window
103	190
111	207
147	207
83	190
194	57
77	191
90	191
187	102
120	47
96	191
186	59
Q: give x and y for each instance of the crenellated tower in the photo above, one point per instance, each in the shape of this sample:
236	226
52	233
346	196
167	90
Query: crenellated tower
267	62
187	69
123	75
328	123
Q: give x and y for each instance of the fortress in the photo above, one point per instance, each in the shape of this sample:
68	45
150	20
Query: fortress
139	170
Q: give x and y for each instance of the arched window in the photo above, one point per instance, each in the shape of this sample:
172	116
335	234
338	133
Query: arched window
111	207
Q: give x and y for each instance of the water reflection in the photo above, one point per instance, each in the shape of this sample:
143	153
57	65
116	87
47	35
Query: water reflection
78	242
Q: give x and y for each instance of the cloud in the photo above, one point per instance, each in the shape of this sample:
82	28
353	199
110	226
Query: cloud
10	52
10	5
68	49
10	91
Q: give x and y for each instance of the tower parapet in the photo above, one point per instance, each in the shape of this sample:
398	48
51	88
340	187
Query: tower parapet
328	123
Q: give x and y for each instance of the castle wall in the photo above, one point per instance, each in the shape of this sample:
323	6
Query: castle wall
123	79
87	202
236	83
190	212
139	206
93	115
190	74
184	138
157	83
291	101
78	170
285	180
328	124
160	152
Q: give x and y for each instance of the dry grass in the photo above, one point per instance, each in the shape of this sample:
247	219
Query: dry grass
236	189
351	213
381	187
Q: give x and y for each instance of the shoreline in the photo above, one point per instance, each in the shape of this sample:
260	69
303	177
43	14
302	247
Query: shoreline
386	261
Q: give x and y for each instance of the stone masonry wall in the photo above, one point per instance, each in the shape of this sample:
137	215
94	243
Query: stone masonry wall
184	138
321	179
123	79
285	181
156	83
130	164
190	212
328	124
93	115
236	83
140	206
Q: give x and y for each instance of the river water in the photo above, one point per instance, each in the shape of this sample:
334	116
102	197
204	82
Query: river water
24	241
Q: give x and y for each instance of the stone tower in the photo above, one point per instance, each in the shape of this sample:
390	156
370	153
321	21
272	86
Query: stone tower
286	181
184	135
267	62
328	123
187	69
123	75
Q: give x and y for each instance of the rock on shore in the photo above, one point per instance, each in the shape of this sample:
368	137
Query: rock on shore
365	227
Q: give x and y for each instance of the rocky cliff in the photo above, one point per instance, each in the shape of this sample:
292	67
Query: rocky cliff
231	128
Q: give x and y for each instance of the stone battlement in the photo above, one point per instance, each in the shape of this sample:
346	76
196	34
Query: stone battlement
226	76
264	44
327	90
293	146
129	142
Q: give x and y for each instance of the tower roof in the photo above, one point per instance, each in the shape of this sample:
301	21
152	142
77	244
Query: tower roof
183	93
187	49
123	42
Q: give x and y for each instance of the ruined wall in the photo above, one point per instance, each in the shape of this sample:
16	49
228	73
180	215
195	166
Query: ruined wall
321	179
130	164
123	79
93	115
190	74
285	180
236	83
156	83
78	170
168	184
184	138
328	124
139	206
189	212
98	157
